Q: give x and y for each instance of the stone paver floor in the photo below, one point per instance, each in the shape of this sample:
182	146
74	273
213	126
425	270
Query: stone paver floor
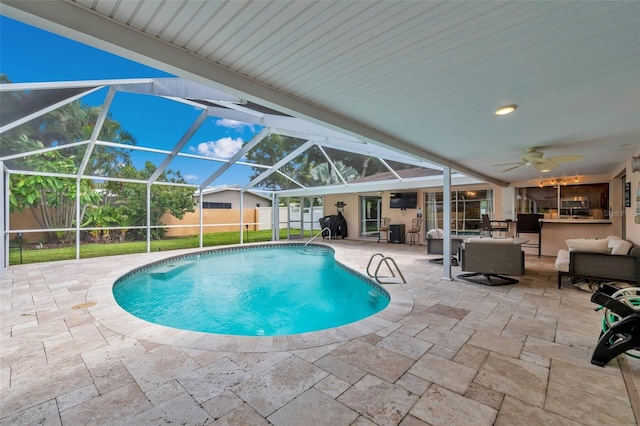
443	353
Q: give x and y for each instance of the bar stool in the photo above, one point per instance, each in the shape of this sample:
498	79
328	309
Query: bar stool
530	224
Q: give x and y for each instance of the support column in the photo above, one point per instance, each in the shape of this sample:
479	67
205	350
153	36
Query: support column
201	215
241	217
78	218
4	218
148	218
275	217
446	223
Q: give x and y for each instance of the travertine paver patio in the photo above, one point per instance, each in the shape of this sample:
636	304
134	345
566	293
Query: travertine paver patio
443	353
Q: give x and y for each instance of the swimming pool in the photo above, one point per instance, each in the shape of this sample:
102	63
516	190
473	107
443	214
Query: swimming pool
257	291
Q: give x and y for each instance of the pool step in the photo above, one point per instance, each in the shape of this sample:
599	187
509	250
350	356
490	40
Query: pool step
171	267
316	250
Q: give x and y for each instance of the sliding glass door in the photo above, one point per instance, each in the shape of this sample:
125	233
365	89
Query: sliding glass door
370	213
467	208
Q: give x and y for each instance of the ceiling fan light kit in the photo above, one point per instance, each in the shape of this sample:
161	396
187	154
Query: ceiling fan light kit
554	182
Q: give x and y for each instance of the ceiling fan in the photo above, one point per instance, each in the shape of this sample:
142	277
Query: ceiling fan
535	158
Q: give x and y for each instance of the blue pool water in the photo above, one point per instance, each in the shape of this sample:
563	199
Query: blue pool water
258	291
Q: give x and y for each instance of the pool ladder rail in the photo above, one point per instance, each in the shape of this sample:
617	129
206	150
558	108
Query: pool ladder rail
326	228
393	268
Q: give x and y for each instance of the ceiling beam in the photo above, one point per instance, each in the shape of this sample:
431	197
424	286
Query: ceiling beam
410	183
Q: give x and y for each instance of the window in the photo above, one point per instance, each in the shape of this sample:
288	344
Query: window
467	208
587	201
212	205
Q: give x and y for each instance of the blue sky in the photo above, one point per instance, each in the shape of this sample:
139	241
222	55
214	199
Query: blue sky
28	54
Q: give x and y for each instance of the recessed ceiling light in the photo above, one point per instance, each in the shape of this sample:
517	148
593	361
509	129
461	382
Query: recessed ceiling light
507	109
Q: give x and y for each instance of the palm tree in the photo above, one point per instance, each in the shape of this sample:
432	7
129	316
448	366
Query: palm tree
324	174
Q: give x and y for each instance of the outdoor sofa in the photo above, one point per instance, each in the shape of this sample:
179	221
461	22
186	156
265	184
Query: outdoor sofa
610	259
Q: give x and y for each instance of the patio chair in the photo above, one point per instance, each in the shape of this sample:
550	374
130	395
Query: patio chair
413	234
494	225
435	245
493	259
384	227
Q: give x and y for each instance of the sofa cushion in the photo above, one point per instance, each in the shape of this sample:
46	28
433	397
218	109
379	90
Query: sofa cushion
588	244
620	246
435	233
475	240
562	261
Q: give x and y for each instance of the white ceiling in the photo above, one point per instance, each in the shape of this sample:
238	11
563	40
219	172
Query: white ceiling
424	77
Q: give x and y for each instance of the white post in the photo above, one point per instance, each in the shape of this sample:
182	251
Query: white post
4	218
201	227
446	223
241	216
148	218
275	217
78	218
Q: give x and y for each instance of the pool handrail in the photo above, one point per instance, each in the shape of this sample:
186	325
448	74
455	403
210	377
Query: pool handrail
386	260
319	233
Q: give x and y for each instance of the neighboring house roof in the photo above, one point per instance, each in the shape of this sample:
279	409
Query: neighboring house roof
236	188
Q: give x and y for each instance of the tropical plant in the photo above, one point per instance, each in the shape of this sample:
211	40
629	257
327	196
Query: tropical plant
51	199
324	174
98	217
132	198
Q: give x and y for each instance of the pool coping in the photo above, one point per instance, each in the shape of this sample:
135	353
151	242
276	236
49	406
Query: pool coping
109	314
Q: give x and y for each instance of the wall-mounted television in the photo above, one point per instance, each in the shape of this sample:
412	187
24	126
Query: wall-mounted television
403	200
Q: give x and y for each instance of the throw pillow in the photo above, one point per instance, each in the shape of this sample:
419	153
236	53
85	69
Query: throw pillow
588	244
620	246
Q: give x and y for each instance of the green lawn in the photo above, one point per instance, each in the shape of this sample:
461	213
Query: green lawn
32	255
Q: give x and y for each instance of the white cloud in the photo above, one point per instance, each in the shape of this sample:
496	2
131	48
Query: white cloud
222	148
233	124
190	178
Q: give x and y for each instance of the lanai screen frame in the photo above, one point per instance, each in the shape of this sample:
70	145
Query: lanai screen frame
213	103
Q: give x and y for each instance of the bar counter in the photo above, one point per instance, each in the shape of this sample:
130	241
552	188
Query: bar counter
556	231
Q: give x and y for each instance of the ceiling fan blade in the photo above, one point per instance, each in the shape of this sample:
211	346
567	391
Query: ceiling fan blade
513	168
512	163
546	165
565	158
